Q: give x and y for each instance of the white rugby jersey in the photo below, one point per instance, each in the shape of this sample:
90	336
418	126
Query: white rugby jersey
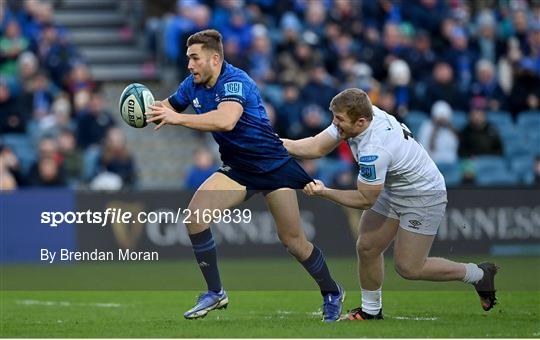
387	153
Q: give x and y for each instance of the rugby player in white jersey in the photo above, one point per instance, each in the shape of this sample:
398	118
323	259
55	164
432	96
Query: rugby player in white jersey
403	195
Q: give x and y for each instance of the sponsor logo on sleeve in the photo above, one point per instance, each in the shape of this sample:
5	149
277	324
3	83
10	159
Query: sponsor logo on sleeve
368	172
233	88
367	159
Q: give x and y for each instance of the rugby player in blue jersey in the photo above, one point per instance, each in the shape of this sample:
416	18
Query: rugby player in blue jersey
227	103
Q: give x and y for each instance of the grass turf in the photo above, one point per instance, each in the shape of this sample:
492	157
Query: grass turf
282	307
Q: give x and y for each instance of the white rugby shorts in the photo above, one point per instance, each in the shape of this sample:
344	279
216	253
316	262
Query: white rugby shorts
421	215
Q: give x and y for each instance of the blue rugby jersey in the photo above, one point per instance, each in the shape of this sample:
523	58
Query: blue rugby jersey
252	145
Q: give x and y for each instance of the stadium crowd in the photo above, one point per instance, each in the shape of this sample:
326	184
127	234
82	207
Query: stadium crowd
463	75
55	128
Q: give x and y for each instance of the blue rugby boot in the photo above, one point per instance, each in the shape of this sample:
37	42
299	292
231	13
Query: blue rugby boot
206	302
333	305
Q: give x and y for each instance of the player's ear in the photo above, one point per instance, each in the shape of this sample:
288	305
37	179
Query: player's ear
360	122
215	59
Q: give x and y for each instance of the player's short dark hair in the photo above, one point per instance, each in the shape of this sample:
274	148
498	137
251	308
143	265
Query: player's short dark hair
210	40
355	103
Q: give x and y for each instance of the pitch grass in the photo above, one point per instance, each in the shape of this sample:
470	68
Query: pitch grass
261	314
412	309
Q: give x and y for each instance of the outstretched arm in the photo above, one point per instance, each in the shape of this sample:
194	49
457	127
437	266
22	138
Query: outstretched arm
224	118
312	147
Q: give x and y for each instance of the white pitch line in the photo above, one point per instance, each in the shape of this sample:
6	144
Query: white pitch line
416	318
65	304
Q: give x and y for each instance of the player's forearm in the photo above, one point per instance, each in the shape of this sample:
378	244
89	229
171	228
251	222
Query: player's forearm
210	121
350	198
302	148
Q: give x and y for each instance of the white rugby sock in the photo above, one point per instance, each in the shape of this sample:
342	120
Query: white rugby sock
473	273
371	301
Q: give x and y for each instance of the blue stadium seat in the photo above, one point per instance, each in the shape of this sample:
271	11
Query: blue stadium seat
500	119
528	124
414	120
452	173
459	119
515	145
22	147
493	171
529	120
522	166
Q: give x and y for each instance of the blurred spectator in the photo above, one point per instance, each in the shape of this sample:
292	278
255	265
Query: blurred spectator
461	57
261	58
204	165
43	93
12	44
174	29
387	102
28	66
13	116
46	173
442	86
289	113
58	120
399	77
10	173
79	79
438	136
235	56
313	121
238	27
525	93
347	14
57	54
93	123
315	17
7	181
319	89
200	17
490	47
534	44
425	14
290	37
479	137
520	24
379	11
72	157
422	57
116	158
392	43
359	75
486	87
47	170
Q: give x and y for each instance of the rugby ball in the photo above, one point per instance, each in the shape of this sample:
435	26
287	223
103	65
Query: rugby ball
134	102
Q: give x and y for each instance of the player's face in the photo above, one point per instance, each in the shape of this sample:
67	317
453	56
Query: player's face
347	128
200	64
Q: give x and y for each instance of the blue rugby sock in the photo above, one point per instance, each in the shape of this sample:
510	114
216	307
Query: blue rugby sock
316	266
204	249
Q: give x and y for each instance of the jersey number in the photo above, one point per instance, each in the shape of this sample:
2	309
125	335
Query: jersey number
406	132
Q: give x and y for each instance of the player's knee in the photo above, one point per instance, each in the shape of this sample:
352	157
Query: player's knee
194	223
289	240
294	243
407	270
365	248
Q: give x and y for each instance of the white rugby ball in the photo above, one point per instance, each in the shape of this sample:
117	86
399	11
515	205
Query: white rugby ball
134	102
